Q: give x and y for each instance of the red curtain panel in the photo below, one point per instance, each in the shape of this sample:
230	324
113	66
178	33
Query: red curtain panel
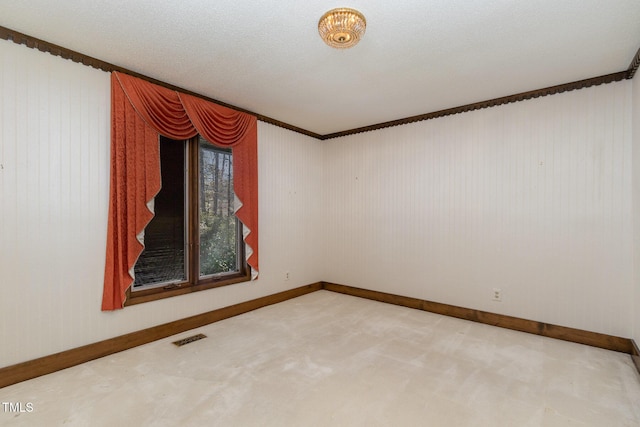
140	113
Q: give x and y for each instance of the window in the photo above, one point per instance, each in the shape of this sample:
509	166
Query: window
194	241
142	111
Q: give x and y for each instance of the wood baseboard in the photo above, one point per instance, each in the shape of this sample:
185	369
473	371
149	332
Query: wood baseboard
594	339
66	359
635	355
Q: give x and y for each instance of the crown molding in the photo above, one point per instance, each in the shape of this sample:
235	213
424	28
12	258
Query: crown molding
53	49
633	67
56	50
551	90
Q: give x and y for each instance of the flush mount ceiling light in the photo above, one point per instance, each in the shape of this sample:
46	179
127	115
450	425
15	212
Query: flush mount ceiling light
342	27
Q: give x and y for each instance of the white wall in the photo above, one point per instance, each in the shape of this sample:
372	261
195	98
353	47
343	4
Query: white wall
636	207
54	179
532	198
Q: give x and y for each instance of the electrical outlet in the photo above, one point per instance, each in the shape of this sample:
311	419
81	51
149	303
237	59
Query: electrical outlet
497	295
287	275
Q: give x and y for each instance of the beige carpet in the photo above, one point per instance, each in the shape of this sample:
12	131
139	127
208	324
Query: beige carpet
327	359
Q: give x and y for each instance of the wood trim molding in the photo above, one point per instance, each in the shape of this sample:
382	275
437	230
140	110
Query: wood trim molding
635	355
633	67
551	90
44	46
48	364
55	50
594	339
55	362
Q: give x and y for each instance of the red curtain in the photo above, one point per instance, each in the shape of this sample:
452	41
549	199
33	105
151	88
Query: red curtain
140	112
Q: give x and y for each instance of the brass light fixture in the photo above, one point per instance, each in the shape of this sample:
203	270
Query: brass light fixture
342	27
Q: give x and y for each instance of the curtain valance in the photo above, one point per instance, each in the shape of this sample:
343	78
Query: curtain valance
140	112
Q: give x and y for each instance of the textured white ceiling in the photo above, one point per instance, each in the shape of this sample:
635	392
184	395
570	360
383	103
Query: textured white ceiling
417	56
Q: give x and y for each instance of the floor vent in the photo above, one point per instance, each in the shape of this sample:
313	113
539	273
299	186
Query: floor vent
188	340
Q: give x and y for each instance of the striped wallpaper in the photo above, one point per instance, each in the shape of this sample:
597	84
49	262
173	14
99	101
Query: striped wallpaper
54	182
636	206
533	198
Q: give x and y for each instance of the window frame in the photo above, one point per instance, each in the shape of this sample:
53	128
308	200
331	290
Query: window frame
194	282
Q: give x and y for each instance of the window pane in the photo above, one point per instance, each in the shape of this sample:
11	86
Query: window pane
218	224
163	259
